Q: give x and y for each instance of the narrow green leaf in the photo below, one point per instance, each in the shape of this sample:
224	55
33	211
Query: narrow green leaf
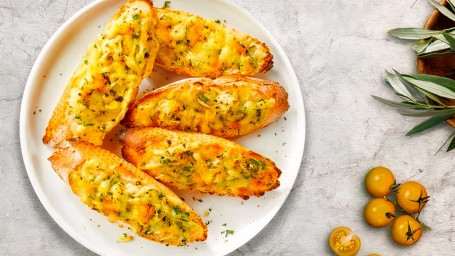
443	81
452	5
413	33
432	87
452	143
432	97
450	40
398	104
452	135
436	47
429	123
430	112
395	82
436	53
443	10
421	45
411	88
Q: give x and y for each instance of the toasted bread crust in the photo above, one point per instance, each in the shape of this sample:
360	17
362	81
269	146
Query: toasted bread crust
235	105
215	49
143	204
106	81
199	162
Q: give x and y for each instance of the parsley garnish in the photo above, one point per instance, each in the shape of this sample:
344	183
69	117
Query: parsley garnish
166	4
203	98
164	160
258	163
229	232
135	16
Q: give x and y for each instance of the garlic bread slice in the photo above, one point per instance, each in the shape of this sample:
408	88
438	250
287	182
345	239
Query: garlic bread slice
228	106
195	46
126	195
199	162
107	79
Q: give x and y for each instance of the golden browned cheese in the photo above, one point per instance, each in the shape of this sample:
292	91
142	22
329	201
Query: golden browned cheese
192	45
126	195
228	106
106	81
199	162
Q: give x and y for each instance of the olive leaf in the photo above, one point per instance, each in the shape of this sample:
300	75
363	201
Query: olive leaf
452	5
449	14
411	89
452	143
432	87
429	123
430	112
450	40
413	33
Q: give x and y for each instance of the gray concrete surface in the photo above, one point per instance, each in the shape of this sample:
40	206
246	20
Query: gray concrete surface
339	50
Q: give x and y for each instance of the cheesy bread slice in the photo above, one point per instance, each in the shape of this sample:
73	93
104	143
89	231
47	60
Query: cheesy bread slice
199	162
126	195
228	106
195	46
106	81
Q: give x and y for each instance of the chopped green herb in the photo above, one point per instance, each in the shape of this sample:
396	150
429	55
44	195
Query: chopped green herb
187	153
258	163
202	97
135	16
166	4
86	62
176	210
78	117
224	225
187	168
164	160
229	232
218	21
119	99
210	209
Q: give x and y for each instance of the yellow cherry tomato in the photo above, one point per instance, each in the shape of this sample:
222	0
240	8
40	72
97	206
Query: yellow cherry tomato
406	230
379	212
344	242
412	197
378	181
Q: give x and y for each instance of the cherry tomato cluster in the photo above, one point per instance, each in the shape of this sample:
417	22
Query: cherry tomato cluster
410	196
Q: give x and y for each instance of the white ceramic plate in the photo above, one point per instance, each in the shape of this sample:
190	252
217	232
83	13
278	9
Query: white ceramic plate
283	141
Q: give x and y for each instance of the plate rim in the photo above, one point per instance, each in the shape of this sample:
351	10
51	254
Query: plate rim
24	122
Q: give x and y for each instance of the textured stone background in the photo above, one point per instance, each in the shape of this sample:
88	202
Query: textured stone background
339	50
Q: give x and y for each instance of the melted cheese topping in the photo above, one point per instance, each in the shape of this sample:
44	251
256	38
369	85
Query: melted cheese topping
192	45
107	79
144	207
225	111
201	162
